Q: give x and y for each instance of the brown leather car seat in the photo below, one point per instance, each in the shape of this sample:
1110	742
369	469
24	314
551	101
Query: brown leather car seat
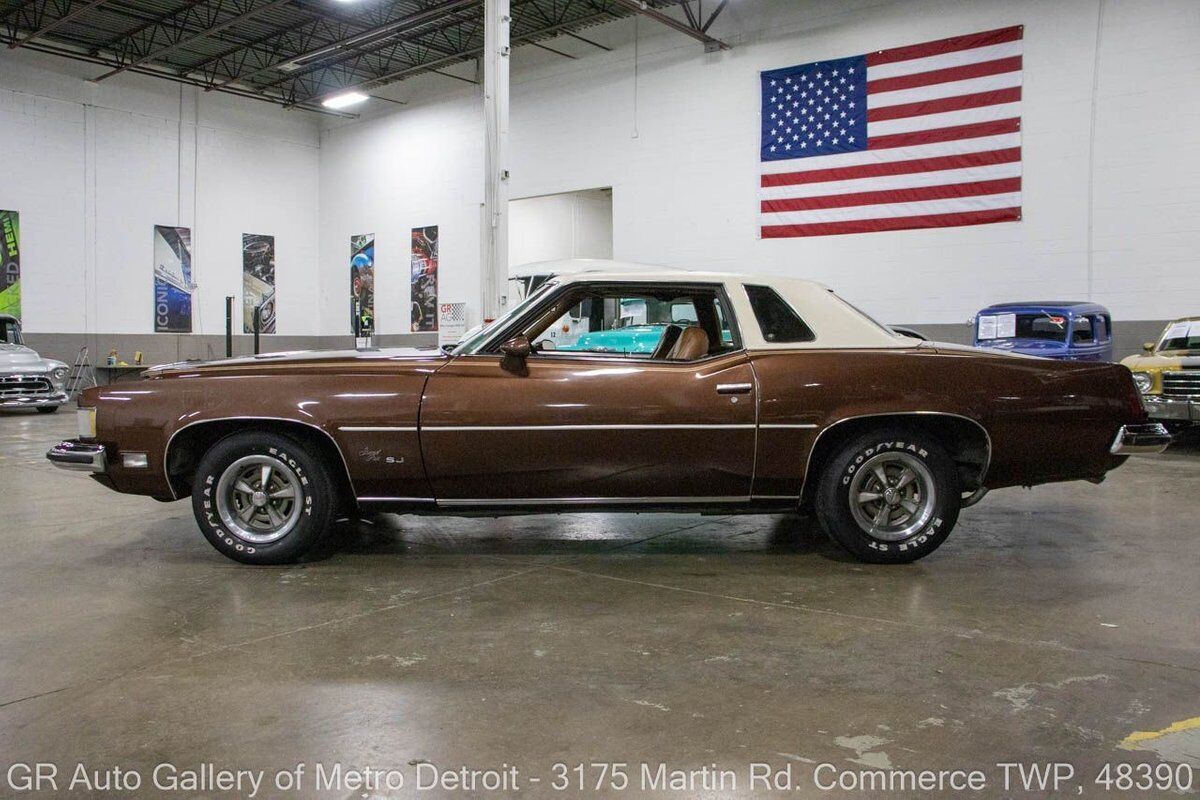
692	344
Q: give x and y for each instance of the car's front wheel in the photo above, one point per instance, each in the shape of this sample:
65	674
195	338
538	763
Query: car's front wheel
262	498
889	496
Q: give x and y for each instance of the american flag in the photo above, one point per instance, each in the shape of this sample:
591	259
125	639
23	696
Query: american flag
923	136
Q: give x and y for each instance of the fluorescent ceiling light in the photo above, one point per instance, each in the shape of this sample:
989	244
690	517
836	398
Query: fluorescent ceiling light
344	100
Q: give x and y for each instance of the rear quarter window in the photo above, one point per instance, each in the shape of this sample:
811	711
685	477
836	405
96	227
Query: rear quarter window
778	321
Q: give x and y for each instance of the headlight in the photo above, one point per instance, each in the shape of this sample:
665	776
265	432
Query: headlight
1144	381
86	419
58	375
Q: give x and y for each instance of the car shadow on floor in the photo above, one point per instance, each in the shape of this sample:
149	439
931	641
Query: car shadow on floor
576	534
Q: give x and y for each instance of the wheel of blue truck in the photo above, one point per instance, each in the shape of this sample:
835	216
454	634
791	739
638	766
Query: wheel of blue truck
262	498
890	496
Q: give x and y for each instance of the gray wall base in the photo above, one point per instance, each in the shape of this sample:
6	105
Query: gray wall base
164	348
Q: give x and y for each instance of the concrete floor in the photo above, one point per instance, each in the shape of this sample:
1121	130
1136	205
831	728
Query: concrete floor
1051	626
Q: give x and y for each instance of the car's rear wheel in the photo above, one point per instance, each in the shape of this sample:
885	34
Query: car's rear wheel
890	496
262	498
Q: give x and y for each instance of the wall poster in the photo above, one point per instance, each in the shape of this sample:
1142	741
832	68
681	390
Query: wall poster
172	279
362	284
258	281
10	262
424	279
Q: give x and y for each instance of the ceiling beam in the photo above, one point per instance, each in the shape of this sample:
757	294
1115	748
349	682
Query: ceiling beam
204	34
50	26
369	36
697	33
428	66
92	58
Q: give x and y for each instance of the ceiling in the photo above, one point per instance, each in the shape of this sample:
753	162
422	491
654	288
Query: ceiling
297	52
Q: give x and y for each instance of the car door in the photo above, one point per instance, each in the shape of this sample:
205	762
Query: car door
587	427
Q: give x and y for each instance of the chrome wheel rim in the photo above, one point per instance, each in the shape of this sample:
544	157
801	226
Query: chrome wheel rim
892	496
259	498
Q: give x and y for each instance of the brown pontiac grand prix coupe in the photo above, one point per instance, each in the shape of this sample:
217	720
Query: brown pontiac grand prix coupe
626	389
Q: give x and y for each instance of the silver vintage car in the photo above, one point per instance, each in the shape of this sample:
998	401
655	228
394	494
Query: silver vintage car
26	379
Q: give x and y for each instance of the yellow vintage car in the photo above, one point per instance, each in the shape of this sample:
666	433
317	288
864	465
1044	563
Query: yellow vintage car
1168	374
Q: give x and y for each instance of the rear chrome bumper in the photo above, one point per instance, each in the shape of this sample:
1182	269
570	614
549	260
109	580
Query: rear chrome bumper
35	401
76	455
1150	437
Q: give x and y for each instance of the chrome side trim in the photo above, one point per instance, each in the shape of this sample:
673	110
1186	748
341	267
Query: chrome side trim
376	428
791	426
775	497
394	499
721	426
587	501
987	461
167	449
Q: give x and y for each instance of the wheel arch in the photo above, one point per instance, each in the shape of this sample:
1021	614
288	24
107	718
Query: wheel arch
965	439
188	444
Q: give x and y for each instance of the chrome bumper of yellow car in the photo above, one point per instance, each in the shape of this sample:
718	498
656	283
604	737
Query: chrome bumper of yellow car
1150	437
1175	409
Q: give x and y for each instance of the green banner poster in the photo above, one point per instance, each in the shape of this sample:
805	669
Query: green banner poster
10	259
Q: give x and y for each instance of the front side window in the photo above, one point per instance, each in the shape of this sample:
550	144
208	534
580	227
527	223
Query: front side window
658	323
778	320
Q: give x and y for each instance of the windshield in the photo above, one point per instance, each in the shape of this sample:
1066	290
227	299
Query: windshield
1042	326
1181	336
486	332
10	331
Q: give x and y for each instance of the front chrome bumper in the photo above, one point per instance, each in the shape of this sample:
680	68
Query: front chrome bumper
35	401
1173	409
1150	437
76	455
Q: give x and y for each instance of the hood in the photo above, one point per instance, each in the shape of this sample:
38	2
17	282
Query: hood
298	358
18	356
1162	361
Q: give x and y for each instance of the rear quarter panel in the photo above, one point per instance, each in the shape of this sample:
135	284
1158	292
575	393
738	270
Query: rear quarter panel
1047	420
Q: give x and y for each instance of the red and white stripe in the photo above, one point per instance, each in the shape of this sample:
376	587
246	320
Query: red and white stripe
944	146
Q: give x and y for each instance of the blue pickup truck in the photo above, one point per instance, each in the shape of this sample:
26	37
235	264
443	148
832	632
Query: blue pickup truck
1071	331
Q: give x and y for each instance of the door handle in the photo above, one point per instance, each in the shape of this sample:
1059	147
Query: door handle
734	388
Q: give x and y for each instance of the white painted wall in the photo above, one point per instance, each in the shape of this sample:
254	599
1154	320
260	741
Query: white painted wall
92	169
568	225
1111	188
1116	222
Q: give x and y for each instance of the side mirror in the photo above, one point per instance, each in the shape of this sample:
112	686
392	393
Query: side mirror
1148	347
517	347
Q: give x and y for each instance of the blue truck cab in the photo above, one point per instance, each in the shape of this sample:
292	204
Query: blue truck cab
1071	331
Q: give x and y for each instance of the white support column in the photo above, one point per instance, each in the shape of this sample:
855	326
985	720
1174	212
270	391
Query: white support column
495	197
